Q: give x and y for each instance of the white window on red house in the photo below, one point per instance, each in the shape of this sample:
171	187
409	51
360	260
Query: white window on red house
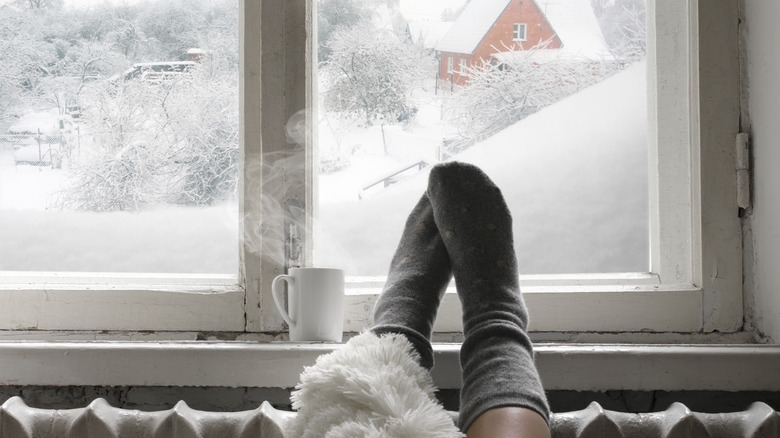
518	33
462	67
450	64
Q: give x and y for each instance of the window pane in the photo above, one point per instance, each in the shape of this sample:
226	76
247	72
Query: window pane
558	120
119	136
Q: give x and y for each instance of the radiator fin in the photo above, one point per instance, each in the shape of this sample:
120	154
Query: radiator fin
99	419
758	421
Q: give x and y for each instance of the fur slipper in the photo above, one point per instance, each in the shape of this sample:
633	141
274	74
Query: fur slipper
370	387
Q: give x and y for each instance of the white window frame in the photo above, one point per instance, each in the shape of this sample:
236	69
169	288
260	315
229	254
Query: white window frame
463	70
64	301
450	64
517	35
695	279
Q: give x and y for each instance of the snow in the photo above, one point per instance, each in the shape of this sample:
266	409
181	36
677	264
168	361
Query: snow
574	176
175	240
428	33
473	23
573	21
576	25
166	240
428	9
47	122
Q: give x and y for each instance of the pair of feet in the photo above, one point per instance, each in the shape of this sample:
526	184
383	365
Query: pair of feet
462	227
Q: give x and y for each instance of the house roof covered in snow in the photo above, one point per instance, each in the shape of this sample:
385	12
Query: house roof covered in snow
577	27
473	23
572	20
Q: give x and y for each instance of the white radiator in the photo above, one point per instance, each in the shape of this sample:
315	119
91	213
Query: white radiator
99	419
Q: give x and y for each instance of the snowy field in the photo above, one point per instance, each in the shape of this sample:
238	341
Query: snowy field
574	174
168	240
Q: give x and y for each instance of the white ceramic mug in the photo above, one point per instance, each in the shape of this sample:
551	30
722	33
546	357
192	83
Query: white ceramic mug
315	301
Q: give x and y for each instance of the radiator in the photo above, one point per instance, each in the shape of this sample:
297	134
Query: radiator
99	419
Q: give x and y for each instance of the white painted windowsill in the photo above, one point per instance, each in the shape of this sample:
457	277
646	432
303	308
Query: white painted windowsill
248	364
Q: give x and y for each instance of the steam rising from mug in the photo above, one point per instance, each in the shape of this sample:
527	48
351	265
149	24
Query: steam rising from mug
280	199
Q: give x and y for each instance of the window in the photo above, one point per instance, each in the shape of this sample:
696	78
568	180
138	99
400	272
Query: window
119	162
666	292
693	283
182	302
518	32
450	62
463	67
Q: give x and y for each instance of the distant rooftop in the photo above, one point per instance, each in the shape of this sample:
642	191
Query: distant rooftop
573	21
473	23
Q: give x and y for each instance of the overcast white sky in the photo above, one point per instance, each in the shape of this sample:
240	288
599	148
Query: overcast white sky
427	9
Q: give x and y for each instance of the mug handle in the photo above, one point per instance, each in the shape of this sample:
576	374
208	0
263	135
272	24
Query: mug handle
275	292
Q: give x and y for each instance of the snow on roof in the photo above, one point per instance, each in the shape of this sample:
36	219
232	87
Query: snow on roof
577	27
473	23
428	33
573	21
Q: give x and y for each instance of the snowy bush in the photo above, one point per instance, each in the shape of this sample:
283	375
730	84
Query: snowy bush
338	14
207	171
623	24
371	73
122	180
523	83
202	129
189	126
333	161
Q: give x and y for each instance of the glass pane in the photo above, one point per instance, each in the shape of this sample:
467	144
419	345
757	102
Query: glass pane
556	117
119	136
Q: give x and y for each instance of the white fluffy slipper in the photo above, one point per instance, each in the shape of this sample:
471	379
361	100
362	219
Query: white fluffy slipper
371	387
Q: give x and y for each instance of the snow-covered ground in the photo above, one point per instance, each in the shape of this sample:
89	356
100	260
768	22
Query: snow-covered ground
574	174
166	240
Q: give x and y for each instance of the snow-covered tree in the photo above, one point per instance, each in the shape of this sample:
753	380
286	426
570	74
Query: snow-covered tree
172	27
623	23
146	142
203	163
28	59
371	73
333	15
523	83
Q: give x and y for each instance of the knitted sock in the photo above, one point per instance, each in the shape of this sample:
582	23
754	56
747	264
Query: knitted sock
496	356
419	274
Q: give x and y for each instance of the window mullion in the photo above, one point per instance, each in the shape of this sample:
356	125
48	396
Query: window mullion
277	191
716	227
668	80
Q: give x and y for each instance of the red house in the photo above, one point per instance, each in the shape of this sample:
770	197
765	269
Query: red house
486	28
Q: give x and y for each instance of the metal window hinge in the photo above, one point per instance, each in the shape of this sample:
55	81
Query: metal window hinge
743	170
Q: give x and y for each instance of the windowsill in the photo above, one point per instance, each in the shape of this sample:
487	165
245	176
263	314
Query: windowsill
584	367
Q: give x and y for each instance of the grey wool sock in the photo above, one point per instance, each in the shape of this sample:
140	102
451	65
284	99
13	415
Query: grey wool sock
419	274
496	356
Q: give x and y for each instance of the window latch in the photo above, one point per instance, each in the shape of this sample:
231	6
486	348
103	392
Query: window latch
293	226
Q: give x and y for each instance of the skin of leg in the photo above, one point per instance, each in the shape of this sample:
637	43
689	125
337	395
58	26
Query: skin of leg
509	422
